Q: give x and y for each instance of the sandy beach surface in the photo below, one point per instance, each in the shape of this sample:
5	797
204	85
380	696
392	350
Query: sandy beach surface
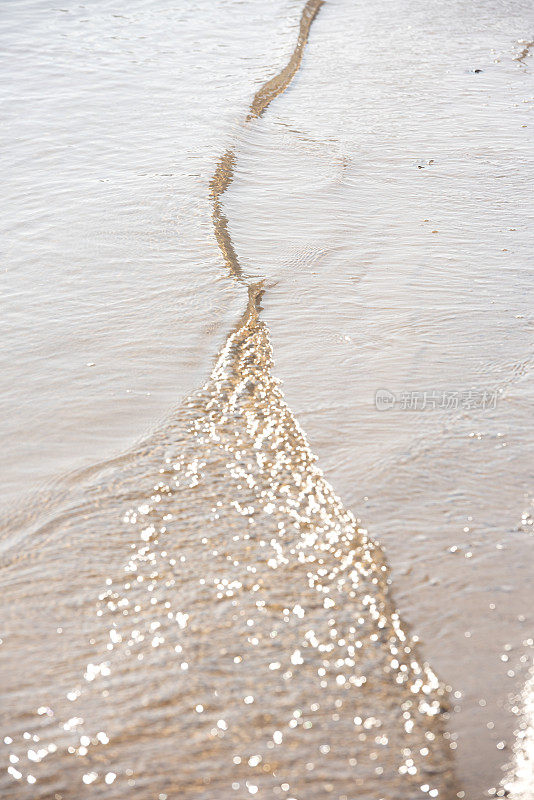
266	400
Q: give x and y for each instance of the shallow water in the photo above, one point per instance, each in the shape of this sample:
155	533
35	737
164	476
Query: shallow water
382	203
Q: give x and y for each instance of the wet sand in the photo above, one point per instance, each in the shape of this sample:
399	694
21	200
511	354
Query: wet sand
202	616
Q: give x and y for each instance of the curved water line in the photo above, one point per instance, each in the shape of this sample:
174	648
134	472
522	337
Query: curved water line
224	172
